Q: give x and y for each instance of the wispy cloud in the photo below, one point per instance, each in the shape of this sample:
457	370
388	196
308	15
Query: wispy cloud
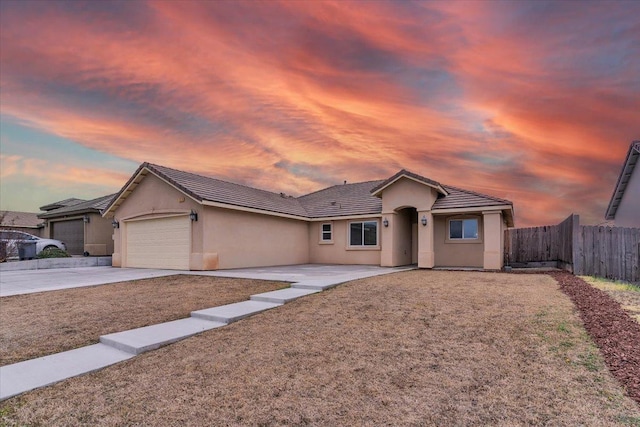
532	101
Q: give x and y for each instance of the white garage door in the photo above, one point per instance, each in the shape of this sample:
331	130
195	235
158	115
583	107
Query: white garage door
159	243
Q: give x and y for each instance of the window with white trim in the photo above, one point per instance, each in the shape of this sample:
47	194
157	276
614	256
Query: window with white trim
363	233
463	229
326	232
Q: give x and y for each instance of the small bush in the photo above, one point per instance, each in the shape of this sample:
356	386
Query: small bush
53	253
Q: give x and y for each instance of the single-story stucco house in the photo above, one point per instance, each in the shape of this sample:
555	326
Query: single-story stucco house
80	225
166	218
624	206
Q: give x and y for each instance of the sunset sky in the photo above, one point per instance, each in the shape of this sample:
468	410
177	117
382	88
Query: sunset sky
536	102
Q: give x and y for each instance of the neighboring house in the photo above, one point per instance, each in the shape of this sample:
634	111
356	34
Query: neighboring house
165	218
80	225
21	221
624	207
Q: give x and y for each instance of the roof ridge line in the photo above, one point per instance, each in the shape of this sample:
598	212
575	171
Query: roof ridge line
221	180
475	193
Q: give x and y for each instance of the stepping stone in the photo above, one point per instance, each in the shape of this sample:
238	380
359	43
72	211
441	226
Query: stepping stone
140	340
319	284
233	312
283	295
35	373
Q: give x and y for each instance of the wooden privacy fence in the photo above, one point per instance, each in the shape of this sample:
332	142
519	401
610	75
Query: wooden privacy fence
610	252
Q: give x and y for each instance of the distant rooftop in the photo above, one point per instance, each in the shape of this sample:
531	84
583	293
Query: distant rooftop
85	206
61	204
19	219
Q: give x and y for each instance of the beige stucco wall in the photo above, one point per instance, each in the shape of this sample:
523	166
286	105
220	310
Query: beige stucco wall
339	251
154	198
244	239
458	253
408	193
98	235
628	214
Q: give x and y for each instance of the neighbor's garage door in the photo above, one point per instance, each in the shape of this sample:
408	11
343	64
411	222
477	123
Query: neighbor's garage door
159	243
71	233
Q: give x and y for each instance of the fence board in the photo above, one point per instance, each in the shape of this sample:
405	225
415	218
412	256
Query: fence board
610	252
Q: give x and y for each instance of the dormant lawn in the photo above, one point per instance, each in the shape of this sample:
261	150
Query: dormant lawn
411	348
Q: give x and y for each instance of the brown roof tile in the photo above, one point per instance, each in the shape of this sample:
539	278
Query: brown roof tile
343	200
460	198
335	201
88	206
215	190
61	204
19	219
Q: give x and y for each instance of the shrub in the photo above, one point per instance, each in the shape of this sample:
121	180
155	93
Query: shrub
53	253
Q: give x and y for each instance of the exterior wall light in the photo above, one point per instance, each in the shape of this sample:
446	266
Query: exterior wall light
193	215
424	220
86	218
385	222
115	224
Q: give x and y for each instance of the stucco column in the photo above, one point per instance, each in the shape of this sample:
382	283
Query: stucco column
492	240
387	240
116	257
426	254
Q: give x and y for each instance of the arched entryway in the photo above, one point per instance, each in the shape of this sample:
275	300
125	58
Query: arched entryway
407	236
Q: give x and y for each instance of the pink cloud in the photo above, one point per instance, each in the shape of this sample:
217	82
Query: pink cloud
292	96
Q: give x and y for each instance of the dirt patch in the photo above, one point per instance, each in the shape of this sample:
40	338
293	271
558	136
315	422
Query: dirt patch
35	325
617	335
412	348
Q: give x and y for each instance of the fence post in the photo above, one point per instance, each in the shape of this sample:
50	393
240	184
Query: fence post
576	245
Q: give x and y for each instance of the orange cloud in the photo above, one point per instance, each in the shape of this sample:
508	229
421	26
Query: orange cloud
294	96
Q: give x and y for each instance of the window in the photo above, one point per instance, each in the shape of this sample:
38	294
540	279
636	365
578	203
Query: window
363	233
463	229
326	233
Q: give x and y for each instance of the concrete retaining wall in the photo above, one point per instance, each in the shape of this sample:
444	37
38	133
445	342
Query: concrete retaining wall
41	264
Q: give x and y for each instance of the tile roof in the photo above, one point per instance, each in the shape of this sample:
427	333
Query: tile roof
87	206
460	198
342	200
625	176
335	201
61	204
409	174
215	190
19	219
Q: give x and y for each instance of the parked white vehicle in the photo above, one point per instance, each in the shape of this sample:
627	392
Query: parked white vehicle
14	239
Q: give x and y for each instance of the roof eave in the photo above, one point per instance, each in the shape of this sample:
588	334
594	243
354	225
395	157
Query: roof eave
377	192
51	215
626	172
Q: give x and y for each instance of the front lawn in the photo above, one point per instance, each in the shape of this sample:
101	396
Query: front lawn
39	324
411	348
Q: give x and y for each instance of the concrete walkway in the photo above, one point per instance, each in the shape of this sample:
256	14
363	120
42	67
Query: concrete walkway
117	347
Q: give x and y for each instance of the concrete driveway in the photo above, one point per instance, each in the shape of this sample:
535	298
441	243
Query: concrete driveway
30	281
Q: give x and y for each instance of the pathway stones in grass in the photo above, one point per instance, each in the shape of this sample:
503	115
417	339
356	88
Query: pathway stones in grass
40	372
283	296
140	340
233	312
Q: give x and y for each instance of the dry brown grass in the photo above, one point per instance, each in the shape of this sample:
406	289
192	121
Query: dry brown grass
413	348
628	296
35	325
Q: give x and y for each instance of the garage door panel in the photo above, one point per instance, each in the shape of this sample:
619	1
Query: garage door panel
71	233
159	243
